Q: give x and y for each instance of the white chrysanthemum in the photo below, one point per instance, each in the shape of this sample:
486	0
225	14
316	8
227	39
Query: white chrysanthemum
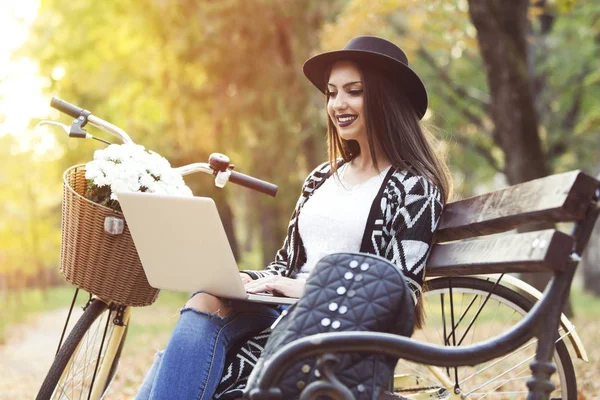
185	191
131	168
93	171
101	181
147	181
117	186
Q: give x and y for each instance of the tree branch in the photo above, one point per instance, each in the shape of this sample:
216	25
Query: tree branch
481	150
468	143
570	119
474	119
443	75
573	113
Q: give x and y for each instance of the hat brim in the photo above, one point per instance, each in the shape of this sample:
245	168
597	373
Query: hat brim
315	69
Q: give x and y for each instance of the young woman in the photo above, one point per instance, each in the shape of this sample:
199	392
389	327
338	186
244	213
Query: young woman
381	192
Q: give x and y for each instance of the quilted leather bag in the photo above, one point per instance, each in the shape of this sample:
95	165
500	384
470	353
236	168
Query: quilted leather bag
345	292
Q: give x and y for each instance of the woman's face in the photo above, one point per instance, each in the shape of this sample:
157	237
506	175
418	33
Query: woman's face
345	101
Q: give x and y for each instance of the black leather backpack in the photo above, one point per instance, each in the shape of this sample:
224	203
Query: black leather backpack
345	292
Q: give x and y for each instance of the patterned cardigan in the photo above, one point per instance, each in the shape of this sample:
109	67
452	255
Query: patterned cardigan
400	227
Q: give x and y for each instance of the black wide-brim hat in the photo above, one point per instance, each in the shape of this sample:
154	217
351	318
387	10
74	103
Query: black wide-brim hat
371	51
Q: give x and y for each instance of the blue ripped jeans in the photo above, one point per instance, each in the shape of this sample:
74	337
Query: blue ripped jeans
191	365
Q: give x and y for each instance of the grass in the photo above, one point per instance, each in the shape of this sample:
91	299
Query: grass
584	305
18	306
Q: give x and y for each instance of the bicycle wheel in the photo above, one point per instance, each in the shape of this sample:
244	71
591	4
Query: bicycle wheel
74	367
476	316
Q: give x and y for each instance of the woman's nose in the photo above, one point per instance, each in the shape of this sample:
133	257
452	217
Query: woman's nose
340	102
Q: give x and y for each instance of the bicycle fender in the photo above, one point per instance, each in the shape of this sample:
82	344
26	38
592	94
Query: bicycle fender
536	294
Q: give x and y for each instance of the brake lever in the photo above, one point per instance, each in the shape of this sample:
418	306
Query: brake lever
64	127
75	130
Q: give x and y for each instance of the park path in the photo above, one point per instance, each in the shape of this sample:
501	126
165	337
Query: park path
28	353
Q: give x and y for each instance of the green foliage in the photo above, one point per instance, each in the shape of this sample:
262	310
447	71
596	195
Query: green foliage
567	60
29	227
194	77
441	44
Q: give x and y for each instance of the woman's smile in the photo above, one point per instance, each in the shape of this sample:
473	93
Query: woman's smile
345	101
345	120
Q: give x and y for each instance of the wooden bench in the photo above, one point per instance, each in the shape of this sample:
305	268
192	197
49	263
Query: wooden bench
563	197
464	247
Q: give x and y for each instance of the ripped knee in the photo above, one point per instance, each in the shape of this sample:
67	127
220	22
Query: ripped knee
207	304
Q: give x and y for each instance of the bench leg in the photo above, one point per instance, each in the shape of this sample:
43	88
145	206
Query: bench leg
540	386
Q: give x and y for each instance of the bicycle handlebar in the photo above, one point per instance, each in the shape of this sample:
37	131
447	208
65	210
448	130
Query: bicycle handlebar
76	112
233	176
253	183
66	107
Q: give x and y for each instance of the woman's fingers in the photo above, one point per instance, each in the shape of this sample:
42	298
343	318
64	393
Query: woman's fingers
286	286
259	285
245	277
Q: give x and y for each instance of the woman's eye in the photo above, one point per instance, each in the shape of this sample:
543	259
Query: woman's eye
356	92
331	94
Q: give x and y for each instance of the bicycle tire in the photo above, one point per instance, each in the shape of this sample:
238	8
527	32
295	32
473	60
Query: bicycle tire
69	349
478	289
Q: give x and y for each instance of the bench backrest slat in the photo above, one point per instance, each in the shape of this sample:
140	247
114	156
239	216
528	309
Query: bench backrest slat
556	198
512	252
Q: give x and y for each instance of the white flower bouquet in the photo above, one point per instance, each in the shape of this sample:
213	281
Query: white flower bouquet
130	168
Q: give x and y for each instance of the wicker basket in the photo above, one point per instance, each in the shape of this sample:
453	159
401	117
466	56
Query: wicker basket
104	265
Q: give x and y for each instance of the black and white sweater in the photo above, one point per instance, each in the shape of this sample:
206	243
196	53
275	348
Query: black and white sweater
400	227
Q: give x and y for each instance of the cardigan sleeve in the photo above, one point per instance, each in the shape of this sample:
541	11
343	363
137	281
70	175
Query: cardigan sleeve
284	255
416	217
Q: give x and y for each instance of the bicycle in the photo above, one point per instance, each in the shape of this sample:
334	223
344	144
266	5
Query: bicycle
86	363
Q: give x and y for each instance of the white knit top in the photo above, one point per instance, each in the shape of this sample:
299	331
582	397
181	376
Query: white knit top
334	218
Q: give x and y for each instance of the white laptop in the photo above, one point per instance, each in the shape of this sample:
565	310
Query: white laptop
183	247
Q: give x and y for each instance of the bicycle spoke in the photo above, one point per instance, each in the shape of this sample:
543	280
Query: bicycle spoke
518	376
492	330
497	361
453	331
473	314
76	384
97	363
502	374
491	363
523	392
476	314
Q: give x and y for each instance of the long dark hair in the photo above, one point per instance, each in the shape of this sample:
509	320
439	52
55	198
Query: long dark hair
393	126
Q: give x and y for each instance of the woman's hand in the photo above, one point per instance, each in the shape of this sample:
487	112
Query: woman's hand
245	278
277	285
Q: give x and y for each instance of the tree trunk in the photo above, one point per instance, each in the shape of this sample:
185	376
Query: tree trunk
591	262
270	233
502	28
226	214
